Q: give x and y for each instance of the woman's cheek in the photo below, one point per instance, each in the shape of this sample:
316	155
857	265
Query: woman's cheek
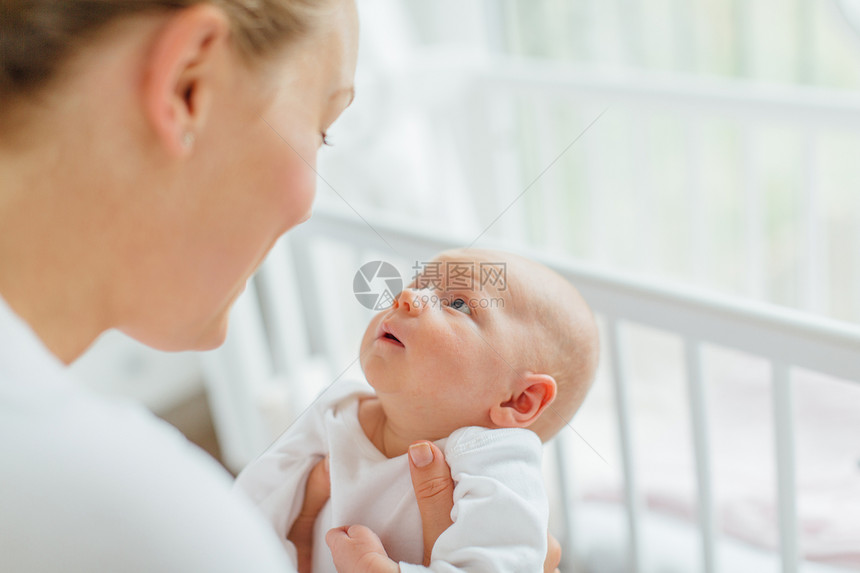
295	190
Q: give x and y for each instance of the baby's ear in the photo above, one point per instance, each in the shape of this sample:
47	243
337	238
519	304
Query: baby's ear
531	395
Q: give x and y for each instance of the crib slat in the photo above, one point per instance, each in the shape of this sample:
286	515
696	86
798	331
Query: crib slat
856	283
805	41
698	252
641	161
622	403
549	187
631	14
562	449
684	28
813	269
480	167
742	41
785	466
701	447
595	171
512	182
754	217
279	289
234	373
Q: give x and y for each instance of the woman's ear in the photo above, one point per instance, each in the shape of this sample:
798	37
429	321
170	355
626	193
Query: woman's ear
181	68
532	394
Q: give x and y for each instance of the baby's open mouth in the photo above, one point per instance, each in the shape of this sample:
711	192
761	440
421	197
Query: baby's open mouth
392	338
384	334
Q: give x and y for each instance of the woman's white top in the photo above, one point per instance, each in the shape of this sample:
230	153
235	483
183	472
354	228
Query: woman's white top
91	484
500	509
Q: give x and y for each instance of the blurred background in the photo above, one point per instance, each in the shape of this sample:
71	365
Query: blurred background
704	144
720	156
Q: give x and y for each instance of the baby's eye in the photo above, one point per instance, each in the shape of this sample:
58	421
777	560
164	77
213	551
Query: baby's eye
461	305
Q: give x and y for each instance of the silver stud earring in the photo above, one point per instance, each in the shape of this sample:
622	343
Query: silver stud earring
188	140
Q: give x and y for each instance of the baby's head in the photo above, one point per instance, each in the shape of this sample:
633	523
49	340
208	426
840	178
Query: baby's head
516	348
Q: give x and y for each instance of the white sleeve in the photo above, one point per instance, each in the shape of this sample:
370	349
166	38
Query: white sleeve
89	486
500	509
275	482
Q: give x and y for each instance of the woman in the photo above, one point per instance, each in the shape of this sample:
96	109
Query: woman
151	152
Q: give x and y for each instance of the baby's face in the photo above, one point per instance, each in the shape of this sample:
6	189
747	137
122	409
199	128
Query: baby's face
440	358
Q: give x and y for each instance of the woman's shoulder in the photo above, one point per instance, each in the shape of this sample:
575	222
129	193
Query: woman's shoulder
97	484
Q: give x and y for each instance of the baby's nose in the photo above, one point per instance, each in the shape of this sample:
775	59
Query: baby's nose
410	301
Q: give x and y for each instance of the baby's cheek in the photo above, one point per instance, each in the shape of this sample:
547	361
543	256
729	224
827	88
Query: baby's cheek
370	332
479	363
454	359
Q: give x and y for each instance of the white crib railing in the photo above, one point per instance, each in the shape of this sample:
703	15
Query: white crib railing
508	120
242	376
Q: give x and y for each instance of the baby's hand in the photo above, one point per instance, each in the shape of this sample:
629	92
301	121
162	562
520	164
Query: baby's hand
356	549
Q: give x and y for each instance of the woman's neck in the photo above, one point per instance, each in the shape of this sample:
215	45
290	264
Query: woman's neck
45	277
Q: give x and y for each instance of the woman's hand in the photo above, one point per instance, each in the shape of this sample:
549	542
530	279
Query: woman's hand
317	492
434	490
553	555
357	549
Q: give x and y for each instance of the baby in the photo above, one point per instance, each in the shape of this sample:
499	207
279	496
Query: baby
488	369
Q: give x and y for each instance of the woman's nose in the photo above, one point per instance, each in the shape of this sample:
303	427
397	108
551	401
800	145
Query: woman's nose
410	302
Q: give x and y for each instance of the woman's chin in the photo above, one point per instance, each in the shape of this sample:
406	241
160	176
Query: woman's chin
214	336
177	339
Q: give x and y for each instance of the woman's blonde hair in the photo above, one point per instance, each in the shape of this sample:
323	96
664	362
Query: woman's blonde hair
38	36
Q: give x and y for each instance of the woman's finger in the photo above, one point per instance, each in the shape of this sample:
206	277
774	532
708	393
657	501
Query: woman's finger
317	492
434	490
553	555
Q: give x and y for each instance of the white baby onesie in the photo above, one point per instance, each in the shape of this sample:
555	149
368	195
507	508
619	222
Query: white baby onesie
500	509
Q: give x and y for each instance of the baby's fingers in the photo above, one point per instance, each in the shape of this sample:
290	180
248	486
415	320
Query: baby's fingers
356	549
